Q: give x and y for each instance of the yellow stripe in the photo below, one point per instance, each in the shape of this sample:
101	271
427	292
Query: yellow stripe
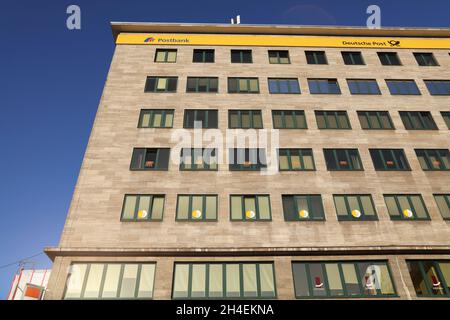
282	41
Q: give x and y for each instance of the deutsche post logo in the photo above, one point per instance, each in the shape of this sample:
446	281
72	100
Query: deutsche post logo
394	43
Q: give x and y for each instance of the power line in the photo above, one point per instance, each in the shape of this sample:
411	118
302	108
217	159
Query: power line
21	260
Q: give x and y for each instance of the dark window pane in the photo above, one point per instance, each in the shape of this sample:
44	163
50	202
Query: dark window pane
289	208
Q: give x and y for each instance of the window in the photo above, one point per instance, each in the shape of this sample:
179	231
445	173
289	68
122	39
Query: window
389	59
206	119
279	56
438	87
161	84
197	207
202	84
245	119
247	159
375	120
430	278
224	280
332	120
243	85
351	279
295	159
324	86
363	86
446	116
289	119
142	207
354	207
156	118
342	159
352	58
250	208
425	59
434	159
417	120
110	281
203	55
166	55
283	85
198	159
316	57
406	207
303	207
389	159
402	87
443	203
241	56
150	159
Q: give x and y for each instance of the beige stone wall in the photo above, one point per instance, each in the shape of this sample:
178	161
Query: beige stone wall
94	216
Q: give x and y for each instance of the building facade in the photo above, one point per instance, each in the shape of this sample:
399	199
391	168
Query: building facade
358	205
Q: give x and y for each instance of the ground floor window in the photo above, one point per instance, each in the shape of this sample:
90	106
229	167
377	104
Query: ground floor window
430	278
342	279
110	281
224	280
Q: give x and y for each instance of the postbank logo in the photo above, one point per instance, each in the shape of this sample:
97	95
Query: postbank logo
166	39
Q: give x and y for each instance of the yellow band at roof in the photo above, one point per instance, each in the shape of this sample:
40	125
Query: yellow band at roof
281	41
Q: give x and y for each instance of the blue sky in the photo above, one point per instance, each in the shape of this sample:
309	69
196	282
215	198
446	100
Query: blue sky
51	80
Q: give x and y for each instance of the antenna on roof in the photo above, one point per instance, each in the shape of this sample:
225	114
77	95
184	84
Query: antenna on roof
238	20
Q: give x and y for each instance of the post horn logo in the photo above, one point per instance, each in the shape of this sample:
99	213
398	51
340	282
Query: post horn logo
150	39
394	43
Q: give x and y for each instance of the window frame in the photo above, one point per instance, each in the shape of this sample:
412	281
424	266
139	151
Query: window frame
446	116
437	267
358	83
204	51
136	209
312	216
203	218
238	89
119	284
277	52
257	211
208	86
394	157
447	200
166	55
242	167
423	62
410	126
294	114
289	81
224	280
351	56
348	159
427	158
205	124
206	166
399	89
157	78
251	115
388	55
432	86
332	113
378	114
156	167
316	56
151	112
401	217
328	80
355	263
349	216
300	154
241	55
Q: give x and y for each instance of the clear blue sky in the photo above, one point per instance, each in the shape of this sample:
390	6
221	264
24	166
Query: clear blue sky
51	80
